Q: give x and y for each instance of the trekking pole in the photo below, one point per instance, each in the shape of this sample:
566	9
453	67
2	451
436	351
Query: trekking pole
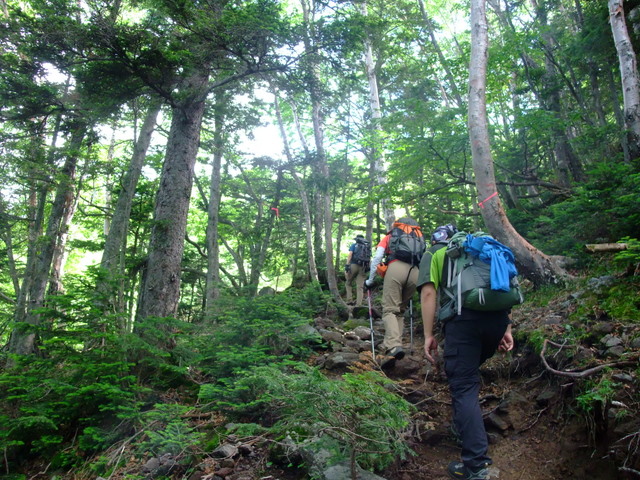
411	326
373	348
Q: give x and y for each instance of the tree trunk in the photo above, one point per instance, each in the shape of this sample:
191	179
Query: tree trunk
304	200
212	288
377	149
629	75
160	289
24	341
60	248
443	61
113	260
568	165
534	264
7	238
323	168
259	251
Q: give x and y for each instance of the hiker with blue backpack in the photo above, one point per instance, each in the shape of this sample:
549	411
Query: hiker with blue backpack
357	268
474	277
402	248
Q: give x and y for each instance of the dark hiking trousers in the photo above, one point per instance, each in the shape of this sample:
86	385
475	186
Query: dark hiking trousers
470	339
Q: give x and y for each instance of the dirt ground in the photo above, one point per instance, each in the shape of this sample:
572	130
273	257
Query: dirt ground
535	443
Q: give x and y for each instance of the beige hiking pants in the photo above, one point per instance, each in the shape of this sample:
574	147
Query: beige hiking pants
398	288
358	273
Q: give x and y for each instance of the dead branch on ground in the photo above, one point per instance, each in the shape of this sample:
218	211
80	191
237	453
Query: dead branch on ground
582	374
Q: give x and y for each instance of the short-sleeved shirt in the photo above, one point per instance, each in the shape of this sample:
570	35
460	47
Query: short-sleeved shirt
384	243
432	266
433	269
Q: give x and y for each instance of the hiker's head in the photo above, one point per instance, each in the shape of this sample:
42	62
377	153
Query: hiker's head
361	237
408	221
443	233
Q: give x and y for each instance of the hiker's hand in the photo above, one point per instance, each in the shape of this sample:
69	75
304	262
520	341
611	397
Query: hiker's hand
368	284
431	345
506	344
347	268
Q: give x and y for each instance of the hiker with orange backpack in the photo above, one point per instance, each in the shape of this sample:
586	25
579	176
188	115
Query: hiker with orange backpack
403	247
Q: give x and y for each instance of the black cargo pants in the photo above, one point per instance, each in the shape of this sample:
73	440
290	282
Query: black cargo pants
470	339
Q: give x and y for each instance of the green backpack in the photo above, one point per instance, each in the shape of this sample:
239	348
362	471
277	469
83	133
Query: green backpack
468	281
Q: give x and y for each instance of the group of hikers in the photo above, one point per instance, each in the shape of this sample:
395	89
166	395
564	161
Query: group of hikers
474	319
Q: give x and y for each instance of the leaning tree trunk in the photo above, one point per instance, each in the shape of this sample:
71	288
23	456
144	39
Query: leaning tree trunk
534	264
443	61
23	341
160	289
112	261
629	75
304	199
377	149
323	168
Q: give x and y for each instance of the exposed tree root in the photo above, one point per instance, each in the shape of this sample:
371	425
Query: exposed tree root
582	374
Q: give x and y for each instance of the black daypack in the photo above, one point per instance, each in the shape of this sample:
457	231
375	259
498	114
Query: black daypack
468	280
406	244
362	253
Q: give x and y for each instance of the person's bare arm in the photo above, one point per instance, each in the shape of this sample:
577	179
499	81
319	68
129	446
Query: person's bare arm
428	297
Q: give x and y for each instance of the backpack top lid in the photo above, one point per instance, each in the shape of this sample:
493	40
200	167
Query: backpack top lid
407	225
406	221
360	239
443	233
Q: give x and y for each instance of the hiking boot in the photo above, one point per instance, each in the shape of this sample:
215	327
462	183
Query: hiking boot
397	353
460	471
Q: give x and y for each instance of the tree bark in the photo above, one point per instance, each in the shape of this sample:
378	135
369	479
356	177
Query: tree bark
212	288
112	261
377	135
629	75
534	264
60	249
323	168
160	289
304	199
23	341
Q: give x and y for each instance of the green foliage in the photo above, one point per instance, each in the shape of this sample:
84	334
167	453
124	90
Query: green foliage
630	256
358	413
44	402
88	384
605	208
596	394
168	432
247	332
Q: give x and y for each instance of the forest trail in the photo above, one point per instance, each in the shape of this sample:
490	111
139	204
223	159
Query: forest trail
535	430
533	433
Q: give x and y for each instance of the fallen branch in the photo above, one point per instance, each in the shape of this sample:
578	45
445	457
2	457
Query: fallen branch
629	470
605	247
582	374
